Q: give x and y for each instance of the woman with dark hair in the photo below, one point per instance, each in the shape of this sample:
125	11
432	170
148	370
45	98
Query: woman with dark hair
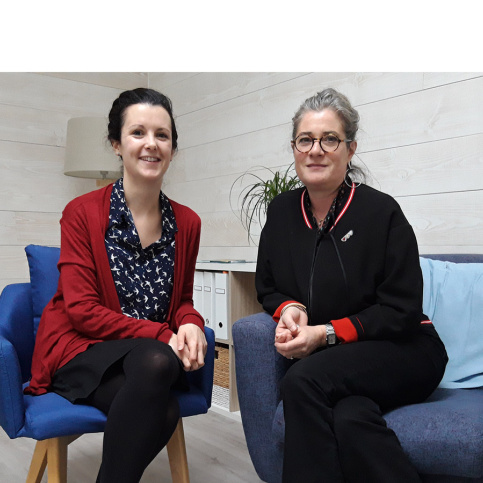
121	330
338	268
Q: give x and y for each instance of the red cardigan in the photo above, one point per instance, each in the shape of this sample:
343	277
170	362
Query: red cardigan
85	308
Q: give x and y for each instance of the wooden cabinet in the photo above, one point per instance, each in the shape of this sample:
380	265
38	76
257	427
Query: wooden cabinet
240	298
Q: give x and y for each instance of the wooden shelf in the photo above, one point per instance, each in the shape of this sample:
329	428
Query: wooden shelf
242	301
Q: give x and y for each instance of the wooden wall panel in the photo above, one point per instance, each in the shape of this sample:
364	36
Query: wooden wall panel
235	155
23	228
162	80
448	165
446	219
211	88
37	91
32	126
12	262
222	229
119	80
447	111
433	79
421	138
34	110
27	169
272	106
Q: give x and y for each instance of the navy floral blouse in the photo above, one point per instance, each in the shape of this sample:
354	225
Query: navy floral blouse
143	276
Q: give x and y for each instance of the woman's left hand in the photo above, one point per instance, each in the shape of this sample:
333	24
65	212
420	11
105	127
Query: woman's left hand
191	336
304	342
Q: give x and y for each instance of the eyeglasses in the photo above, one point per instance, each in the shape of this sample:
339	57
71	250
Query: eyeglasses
328	143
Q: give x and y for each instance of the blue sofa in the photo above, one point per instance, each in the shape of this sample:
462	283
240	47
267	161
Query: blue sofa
443	436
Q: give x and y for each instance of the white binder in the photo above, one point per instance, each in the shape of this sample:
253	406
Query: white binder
221	305
198	291
209	299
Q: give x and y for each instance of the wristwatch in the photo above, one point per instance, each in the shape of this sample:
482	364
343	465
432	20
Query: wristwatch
331	337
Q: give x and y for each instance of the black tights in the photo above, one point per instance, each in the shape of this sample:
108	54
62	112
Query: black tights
141	413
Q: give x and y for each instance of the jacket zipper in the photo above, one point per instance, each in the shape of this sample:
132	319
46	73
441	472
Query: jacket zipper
318	239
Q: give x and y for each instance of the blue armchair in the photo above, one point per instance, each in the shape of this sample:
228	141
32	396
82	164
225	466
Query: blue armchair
443	436
50	419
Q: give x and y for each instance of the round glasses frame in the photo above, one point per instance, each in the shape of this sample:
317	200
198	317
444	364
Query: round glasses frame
320	140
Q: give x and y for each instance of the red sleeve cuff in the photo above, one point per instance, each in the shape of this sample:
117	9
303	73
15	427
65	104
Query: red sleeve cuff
344	330
276	315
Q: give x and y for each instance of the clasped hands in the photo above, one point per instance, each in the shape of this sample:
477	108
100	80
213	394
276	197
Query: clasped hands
189	344
294	338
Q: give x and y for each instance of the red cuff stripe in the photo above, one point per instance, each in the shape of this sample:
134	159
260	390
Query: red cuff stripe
276	315
344	330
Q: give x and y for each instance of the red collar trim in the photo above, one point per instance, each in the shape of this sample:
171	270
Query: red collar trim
304	213
306	218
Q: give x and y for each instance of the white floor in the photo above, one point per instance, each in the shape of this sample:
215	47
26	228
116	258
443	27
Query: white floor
215	443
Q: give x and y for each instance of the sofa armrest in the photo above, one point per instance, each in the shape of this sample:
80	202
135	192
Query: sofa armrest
259	369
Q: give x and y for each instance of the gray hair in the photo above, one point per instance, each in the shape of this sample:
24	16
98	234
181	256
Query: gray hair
330	99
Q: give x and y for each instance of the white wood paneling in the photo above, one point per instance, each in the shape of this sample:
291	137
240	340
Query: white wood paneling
211	88
52	94
276	105
448	111
33	126
13	262
22	228
421	137
162	80
268	147
447	219
433	79
119	80
34	110
222	229
27	169
442	166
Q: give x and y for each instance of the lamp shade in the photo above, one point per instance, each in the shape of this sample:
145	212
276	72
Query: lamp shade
87	154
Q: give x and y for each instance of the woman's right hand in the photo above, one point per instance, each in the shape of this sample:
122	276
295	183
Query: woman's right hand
183	354
289	324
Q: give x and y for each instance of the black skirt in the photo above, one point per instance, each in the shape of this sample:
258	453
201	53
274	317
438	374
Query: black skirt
81	376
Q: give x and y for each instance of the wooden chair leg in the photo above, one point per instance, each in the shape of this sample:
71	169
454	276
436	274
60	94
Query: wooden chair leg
57	460
178	460
53	454
39	462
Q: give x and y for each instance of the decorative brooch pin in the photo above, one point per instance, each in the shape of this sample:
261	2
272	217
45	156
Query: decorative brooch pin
347	236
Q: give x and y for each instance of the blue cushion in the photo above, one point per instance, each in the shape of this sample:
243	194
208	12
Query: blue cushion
453	300
51	415
44	277
443	435
449	435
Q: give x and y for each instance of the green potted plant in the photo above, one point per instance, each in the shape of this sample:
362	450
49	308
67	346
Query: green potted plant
255	197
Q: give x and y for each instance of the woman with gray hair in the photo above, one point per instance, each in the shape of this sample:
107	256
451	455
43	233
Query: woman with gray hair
338	268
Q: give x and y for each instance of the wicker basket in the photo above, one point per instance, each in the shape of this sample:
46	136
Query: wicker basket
222	366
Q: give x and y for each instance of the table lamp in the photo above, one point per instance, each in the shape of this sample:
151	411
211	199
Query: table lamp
88	153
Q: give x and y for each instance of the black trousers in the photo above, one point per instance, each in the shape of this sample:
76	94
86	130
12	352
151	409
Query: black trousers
333	404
